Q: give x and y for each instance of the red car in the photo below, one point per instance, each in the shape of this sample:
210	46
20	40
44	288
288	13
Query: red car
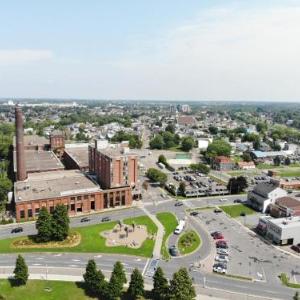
296	248
221	243
218	236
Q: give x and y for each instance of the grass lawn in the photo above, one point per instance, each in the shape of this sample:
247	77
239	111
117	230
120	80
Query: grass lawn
236	210
169	221
286	281
188	242
35	289
289	172
92	241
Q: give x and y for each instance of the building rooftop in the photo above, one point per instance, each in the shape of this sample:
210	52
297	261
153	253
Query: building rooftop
186	120
40	161
79	153
30	140
116	150
264	188
290	222
288	202
54	184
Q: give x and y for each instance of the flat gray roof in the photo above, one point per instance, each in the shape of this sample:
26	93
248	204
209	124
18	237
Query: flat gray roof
39	161
54	184
33	140
79	154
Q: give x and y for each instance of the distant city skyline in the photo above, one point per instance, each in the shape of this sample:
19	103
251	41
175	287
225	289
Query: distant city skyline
169	50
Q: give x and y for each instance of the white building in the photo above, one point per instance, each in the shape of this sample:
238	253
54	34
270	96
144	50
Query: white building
265	194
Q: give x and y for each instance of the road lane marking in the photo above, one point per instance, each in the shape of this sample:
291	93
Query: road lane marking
146	265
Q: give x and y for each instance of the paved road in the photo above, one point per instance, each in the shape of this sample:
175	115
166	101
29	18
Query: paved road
72	263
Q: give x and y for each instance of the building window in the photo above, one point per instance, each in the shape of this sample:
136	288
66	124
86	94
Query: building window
72	207
37	211
93	205
29	213
51	209
22	214
123	199
73	198
79	198
86	197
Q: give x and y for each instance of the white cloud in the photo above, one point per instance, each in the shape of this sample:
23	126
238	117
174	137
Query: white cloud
21	56
225	53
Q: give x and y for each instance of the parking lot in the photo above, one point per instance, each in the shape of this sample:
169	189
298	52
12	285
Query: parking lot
249	256
197	184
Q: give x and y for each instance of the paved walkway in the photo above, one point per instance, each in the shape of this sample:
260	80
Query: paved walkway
159	234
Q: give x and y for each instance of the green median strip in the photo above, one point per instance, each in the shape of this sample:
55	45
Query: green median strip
285	280
169	221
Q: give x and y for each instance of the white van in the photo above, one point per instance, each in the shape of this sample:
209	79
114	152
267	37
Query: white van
179	227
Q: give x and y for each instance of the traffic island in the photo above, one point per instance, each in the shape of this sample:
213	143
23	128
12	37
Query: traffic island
189	242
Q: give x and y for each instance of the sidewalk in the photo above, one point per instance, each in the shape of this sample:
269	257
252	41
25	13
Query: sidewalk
159	234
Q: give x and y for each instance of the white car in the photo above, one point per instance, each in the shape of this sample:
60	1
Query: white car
219	269
221	258
222	251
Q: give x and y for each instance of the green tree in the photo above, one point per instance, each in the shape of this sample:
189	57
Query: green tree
277	160
44	226
93	279
296	296
213	130
116	282
156	175
217	148
181	286
5	187
200	168
246	157
21	271
187	143
170	127
136	285
237	185
287	161
162	159
60	223
160	285
169	139
182	188
157	142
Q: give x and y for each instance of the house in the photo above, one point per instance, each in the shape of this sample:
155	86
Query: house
223	163
290	184
244	165
186	121
203	143
264	194
285	207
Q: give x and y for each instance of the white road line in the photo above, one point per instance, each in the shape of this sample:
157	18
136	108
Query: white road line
36	264
59	254
146	265
98	256
40	258
73	266
76	260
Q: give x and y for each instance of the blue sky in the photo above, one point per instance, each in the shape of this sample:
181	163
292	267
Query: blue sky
193	49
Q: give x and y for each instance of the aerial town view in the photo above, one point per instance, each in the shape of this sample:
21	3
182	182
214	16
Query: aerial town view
150	150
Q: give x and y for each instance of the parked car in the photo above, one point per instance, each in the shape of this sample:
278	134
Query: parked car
179	203
217	210
106	219
214	233
237	201
218	236
174	251
85	219
296	248
222	251
221	258
222	244
242	214
219	268
17	229
194	213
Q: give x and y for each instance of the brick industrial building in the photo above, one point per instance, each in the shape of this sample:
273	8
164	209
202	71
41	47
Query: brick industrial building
110	181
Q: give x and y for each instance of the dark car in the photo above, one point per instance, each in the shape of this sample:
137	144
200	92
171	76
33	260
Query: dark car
106	219
218	236
194	213
242	214
217	210
85	219
215	232
17	229
178	204
296	248
174	251
237	201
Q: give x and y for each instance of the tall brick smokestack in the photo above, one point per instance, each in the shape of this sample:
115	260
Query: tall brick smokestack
21	168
